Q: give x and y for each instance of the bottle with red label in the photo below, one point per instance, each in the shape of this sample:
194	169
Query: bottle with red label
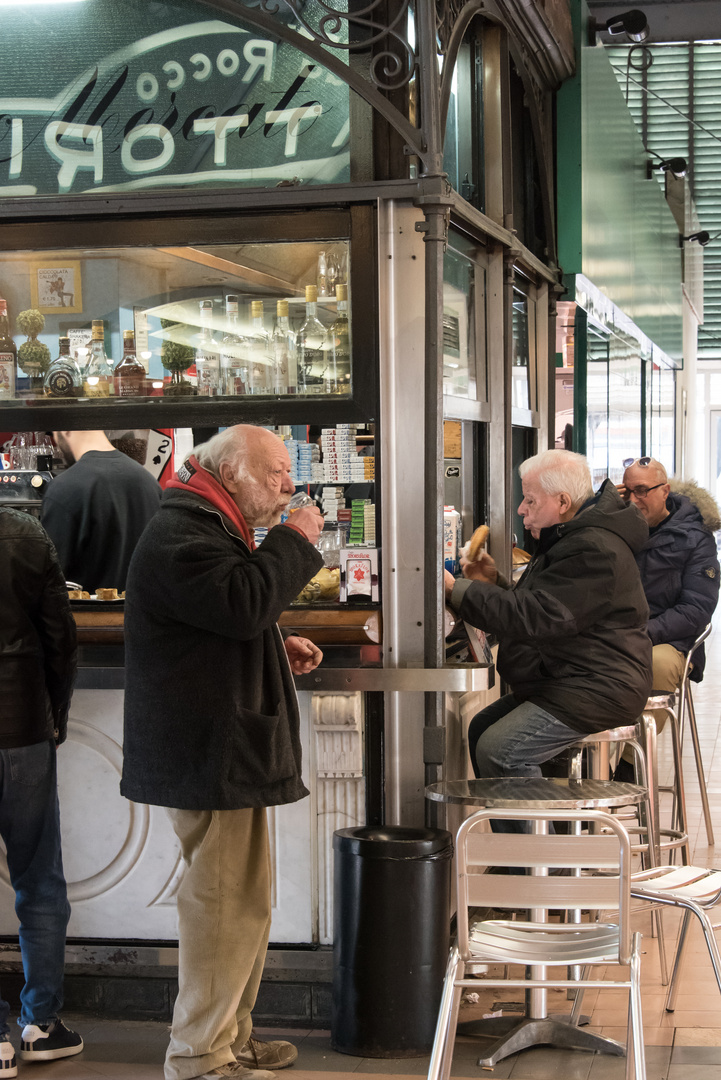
8	355
130	375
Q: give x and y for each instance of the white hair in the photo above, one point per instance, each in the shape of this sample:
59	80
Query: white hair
560	470
229	446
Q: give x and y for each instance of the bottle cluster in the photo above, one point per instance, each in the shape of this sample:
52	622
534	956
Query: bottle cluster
278	361
231	359
91	375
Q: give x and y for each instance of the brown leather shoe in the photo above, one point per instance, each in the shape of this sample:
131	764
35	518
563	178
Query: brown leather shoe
262	1054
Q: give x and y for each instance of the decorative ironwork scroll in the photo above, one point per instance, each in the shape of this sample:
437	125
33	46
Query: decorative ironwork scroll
364	27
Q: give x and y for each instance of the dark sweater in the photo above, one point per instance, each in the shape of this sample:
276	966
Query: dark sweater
95	512
211	712
572	632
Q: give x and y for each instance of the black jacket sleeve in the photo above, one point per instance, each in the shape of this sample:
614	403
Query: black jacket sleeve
56	629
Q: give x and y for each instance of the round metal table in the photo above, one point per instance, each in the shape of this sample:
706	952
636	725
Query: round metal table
531	793
536	793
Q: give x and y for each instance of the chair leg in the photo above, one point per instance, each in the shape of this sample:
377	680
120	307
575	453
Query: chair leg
444	1037
658	922
677	962
449	1043
691	712
635	1055
578	999
654	836
680	819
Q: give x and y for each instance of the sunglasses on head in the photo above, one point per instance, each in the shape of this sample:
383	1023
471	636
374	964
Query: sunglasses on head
642	461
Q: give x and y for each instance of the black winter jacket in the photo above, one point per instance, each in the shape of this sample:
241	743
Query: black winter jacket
680	575
572	633
37	635
211	712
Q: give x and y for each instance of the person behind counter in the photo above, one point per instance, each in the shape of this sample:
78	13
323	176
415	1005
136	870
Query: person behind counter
37	672
212	725
572	633
95	511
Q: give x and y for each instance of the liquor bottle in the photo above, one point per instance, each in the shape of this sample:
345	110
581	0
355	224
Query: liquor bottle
233	353
336	379
207	360
63	378
322	274
8	355
130	375
260	361
285	360
311	342
98	375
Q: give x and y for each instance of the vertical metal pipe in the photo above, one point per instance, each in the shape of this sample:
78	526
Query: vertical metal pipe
434	203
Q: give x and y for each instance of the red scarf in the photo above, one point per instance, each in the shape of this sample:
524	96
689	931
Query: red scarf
193	477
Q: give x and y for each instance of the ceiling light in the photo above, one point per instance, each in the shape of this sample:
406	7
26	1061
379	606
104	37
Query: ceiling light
701	238
633	24
677	166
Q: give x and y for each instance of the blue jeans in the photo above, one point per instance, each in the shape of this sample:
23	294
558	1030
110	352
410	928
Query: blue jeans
509	738
30	828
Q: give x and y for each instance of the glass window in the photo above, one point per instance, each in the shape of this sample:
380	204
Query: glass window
624	403
197	322
464	332
463	147
613	395
597	405
523	391
163	95
660	408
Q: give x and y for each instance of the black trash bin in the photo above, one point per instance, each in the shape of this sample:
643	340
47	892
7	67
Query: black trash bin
391	923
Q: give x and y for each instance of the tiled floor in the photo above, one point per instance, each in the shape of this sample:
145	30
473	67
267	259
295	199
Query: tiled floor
684	1045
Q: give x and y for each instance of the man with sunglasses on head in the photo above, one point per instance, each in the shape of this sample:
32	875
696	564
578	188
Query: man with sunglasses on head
679	570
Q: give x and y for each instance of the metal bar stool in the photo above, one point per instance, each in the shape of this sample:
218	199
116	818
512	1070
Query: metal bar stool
641	738
597	746
687	714
676	837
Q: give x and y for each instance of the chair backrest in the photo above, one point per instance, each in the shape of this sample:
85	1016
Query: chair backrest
689	655
607	853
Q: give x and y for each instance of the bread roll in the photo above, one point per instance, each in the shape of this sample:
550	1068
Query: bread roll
78	594
475	544
107	594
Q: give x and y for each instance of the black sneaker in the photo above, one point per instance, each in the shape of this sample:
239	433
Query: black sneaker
46	1042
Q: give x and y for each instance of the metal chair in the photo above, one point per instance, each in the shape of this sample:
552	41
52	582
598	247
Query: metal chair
537	944
696	890
687	714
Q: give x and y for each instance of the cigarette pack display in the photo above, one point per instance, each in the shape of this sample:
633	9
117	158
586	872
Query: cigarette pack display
359	574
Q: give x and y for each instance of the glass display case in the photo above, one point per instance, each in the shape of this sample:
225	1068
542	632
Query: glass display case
181	332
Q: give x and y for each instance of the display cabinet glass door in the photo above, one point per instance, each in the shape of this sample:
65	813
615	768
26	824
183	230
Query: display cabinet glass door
205	321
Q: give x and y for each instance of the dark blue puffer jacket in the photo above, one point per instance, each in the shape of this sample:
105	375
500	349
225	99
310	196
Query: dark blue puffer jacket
680	574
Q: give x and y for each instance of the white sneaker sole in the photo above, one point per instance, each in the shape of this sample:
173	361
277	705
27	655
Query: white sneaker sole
50	1055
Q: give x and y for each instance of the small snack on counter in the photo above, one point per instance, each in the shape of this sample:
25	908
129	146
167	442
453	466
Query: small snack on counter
324	586
78	594
107	594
